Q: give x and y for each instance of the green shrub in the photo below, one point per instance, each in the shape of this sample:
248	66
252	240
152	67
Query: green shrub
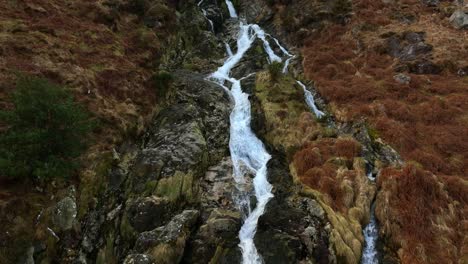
46	131
161	82
275	70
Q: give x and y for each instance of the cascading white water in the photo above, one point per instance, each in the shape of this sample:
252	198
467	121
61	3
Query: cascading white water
206	16
261	35
285	52
371	233
232	10
310	101
248	153
228	49
209	20
286	64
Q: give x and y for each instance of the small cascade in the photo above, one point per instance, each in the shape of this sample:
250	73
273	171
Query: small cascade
286	64
261	35
232	10
371	233
206	16
310	100
228	49
285	52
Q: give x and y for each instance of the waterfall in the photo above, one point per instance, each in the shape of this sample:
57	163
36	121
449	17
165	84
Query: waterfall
248	153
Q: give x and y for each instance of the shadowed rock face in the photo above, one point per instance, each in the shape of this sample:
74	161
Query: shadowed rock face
166	176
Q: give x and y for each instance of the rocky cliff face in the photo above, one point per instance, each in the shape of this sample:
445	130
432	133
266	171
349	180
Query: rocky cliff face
158	186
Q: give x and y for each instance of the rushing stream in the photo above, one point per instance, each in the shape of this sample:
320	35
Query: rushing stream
248	153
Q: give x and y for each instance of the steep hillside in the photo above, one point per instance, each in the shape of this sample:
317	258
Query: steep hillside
402	67
241	131
105	52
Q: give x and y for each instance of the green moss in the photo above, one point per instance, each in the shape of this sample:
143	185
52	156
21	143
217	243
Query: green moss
176	188
150	187
373	133
329	132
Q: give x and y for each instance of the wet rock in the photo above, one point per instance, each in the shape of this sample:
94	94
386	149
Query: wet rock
166	244
402	78
138	259
64	214
217	239
148	213
459	19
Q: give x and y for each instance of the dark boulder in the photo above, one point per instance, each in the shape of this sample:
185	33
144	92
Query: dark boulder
424	67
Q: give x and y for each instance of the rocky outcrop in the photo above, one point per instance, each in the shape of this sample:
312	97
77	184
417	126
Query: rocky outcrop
165	173
414	54
459	19
166	244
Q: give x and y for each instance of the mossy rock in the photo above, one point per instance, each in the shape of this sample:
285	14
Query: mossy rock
181	186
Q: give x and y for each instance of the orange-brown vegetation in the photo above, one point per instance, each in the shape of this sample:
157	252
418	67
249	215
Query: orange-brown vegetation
318	163
104	54
416	206
425	120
